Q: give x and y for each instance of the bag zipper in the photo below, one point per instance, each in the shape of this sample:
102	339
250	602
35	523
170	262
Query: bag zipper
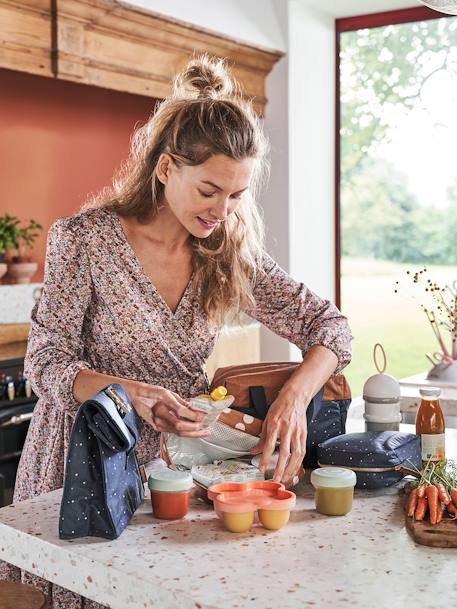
362	469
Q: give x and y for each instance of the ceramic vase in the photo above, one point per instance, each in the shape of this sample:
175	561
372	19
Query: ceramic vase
441	372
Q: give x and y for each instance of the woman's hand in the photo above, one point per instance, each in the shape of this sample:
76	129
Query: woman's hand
286	423
165	410
286	418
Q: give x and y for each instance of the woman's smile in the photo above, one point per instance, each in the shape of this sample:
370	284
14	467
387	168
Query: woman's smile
207	223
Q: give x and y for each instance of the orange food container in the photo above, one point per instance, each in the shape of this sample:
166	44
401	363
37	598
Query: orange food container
170	490
236	504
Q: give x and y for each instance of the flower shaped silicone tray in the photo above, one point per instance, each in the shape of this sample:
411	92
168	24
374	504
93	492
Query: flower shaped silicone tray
237	503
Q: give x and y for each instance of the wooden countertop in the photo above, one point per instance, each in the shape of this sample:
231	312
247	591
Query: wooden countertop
13	340
13	350
13	333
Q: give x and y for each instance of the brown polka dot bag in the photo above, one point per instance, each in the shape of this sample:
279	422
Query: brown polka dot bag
237	430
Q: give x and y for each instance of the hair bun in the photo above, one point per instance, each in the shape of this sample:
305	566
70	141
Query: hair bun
204	76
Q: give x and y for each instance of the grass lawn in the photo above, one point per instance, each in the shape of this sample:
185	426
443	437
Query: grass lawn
377	314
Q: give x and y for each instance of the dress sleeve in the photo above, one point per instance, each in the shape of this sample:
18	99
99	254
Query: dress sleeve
55	348
292	311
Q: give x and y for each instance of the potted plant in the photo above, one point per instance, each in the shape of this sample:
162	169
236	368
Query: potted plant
440	307
25	239
21	268
8	233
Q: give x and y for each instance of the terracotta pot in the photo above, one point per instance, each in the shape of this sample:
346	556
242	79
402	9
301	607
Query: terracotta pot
3	269
22	272
11	252
20	258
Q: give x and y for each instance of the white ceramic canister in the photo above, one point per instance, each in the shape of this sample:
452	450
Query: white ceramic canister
381	393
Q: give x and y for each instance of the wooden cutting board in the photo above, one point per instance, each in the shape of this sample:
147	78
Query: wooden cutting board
442	535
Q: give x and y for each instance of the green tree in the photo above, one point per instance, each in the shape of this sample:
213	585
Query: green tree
384	68
383	74
377	215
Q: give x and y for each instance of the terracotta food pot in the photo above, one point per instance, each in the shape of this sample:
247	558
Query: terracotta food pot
22	272
3	269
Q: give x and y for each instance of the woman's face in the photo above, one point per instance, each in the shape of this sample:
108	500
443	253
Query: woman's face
203	196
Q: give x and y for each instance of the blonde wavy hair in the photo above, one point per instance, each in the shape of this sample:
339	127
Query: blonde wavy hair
205	115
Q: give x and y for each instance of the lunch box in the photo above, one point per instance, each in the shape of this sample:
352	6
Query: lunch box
373	456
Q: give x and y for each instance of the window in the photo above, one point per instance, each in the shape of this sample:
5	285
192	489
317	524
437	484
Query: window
396	181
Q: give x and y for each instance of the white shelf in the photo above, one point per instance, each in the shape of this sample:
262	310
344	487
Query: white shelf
16	302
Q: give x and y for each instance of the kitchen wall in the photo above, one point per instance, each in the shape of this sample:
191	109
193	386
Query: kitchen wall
252	21
59	141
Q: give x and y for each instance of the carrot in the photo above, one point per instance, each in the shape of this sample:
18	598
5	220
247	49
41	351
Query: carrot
454	495
452	509
442	493
420	509
431	492
441	509
421	491
412	502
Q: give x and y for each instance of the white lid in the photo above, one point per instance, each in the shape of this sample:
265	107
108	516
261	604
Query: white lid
170	480
381	386
333	477
430	392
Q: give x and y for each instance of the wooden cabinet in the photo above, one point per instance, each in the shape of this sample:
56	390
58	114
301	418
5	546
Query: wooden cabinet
116	46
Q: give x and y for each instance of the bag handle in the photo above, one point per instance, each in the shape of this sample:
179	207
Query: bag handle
111	418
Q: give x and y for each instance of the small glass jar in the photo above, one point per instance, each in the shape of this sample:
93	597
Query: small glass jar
334	490
170	490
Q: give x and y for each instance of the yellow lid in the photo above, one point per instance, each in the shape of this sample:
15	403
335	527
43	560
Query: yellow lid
219	393
203	395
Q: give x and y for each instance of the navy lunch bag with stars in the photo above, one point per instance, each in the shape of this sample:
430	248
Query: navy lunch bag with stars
102	482
373	456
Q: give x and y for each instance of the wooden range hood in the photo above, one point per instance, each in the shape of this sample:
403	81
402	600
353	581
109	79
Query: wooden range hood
114	45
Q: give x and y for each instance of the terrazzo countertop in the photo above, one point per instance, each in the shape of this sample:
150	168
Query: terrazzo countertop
364	559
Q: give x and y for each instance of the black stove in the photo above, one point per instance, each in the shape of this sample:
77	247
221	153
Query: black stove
17	402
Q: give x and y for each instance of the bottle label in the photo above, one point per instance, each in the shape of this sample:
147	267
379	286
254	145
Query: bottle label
432	446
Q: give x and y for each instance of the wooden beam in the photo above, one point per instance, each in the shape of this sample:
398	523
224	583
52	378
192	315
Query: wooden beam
114	45
25	36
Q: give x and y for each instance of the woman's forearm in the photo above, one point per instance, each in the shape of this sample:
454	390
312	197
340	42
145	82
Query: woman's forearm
88	382
317	367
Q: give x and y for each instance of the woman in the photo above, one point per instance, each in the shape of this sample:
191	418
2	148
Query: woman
138	284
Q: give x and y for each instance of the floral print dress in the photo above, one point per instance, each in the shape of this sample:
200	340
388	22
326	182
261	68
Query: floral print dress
99	310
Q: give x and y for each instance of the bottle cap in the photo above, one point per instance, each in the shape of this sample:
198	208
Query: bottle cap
430	391
219	393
